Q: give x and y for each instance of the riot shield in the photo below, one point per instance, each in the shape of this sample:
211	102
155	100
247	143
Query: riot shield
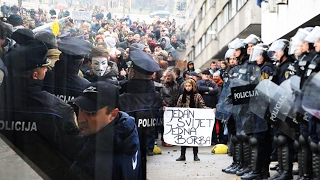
224	107
301	114
310	95
282	104
261	104
242	90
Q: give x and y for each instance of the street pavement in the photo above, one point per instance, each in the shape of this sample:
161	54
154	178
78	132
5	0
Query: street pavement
165	166
12	166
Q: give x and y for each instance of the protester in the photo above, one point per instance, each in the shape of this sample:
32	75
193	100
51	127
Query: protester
190	99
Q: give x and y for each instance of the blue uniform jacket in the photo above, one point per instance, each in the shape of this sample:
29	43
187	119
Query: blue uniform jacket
111	153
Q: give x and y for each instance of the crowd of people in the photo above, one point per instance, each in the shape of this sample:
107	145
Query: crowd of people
74	102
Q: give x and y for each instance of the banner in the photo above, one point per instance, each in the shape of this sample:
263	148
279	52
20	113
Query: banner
81	15
188	126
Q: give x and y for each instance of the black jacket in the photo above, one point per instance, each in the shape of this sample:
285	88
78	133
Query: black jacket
211	98
140	96
63	80
53	140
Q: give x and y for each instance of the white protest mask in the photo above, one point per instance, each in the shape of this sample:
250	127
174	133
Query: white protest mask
99	65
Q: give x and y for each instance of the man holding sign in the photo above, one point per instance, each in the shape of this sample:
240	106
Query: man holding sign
188	126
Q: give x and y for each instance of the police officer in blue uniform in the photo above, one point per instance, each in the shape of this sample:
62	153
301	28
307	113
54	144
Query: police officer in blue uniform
111	149
141	100
39	124
64	81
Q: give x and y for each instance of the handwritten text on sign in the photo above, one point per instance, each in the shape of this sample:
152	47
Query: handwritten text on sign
188	126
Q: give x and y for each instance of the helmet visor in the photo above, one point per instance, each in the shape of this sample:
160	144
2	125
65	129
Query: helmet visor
314	35
294	45
256	53
276	46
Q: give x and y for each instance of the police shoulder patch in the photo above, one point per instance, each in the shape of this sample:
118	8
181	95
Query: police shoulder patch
287	74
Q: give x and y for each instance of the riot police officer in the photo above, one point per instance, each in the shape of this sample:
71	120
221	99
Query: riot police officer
304	53
141	100
64	81
312	68
278	52
260	134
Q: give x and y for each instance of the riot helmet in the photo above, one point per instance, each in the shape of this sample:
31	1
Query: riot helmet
250	41
259	54
229	56
278	49
299	37
236	44
314	37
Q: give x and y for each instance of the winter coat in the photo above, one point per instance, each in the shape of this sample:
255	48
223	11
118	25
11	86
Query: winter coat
198	101
210	99
170	94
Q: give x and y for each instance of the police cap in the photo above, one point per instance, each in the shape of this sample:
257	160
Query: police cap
74	46
143	62
96	96
28	56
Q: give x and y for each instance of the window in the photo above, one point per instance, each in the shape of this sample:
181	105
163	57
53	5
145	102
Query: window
208	36
214	29
240	3
220	21
232	8
226	14
198	48
203	10
203	41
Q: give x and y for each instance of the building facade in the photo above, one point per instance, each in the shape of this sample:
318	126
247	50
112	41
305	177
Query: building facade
212	24
282	18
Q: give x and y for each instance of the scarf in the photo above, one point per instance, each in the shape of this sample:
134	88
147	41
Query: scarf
184	98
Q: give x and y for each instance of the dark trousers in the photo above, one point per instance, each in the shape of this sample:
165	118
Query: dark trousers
183	150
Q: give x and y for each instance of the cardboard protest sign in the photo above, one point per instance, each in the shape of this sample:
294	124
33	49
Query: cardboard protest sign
188	126
81	15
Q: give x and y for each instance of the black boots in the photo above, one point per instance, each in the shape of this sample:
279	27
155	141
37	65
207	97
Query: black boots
315	160
305	166
255	165
285	166
237	155
195	157
181	158
246	157
183	154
